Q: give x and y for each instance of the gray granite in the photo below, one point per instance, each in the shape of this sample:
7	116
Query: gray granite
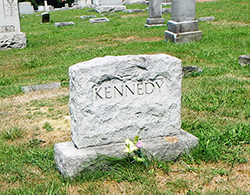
70	160
11	36
114	98
183	27
155	14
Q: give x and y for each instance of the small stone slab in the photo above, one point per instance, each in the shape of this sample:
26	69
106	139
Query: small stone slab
166	10
244	60
85	17
64	24
202	19
70	160
110	8
186	71
27	89
133	10
99	20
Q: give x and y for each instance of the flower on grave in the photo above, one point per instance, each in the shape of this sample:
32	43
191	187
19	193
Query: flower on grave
134	148
139	144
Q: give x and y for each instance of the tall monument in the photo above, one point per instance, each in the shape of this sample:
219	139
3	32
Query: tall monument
183	27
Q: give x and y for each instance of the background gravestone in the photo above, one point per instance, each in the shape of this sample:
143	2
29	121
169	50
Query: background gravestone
115	98
102	6
183	27
10	35
26	8
155	14
45	17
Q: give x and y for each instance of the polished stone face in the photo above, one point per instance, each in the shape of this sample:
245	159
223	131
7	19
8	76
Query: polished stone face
115	98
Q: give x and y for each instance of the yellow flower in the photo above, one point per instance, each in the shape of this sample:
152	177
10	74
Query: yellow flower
131	147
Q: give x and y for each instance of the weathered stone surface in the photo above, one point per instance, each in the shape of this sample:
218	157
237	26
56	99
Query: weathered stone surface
244	60
70	160
27	89
183	10
115	98
64	24
12	40
99	20
202	19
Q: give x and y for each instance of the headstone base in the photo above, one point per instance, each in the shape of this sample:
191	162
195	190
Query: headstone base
150	22
183	37
12	40
110	8
70	160
180	27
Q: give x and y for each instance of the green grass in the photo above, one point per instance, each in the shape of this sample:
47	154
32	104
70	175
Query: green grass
215	103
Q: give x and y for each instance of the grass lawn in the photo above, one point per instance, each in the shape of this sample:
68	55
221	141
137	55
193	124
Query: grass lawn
215	104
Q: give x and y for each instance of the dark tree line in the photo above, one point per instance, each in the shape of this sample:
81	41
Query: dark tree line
54	3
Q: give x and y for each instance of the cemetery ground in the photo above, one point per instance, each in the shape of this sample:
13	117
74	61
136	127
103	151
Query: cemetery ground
215	104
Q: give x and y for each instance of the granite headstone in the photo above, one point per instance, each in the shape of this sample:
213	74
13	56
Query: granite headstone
115	98
10	31
183	27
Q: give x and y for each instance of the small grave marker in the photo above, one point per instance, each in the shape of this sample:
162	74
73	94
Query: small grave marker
27	89
85	17
202	19
45	17
133	10
98	20
64	24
